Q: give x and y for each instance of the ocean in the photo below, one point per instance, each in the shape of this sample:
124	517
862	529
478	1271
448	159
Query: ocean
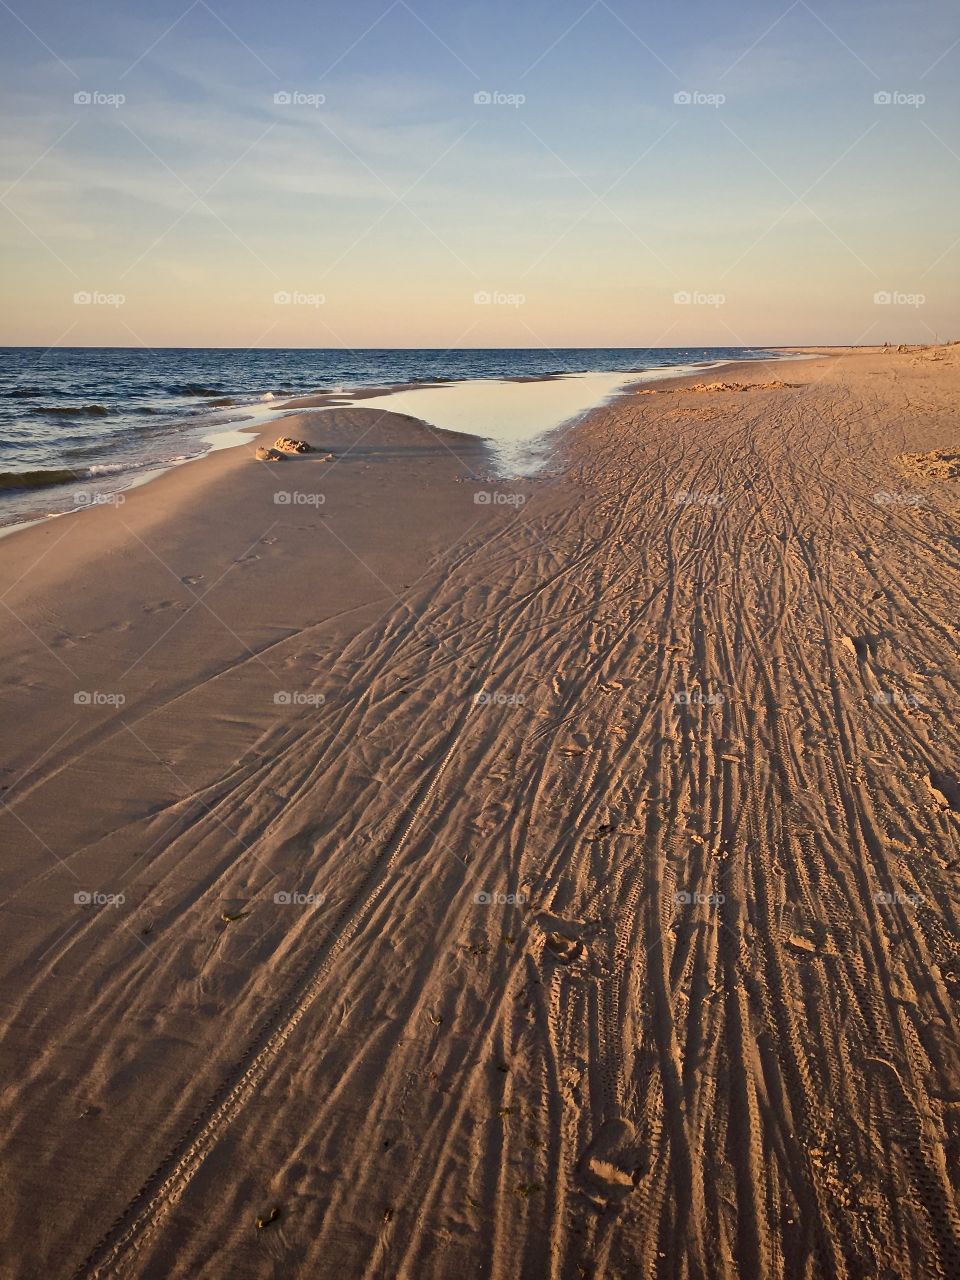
73	415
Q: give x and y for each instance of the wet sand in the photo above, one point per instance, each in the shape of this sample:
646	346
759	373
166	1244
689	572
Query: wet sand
585	905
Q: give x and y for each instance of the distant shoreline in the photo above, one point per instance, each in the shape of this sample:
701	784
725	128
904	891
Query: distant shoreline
119	433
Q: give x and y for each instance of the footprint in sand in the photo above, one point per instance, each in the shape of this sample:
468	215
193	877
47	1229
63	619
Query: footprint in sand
565	939
489	819
64	641
192	579
862	647
565	950
18	681
611	1165
945	790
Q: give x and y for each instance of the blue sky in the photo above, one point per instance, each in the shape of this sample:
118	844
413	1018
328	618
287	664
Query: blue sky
776	206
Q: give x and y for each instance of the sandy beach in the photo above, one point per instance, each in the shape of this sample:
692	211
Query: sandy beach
556	884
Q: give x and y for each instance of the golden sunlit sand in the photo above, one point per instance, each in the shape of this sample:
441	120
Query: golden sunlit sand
427	886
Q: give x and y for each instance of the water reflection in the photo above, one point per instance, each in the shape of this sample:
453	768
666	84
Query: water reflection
514	416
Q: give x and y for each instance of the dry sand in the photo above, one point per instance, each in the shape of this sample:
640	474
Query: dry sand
701	1021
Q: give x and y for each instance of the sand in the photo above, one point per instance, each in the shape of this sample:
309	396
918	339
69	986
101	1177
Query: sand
586	905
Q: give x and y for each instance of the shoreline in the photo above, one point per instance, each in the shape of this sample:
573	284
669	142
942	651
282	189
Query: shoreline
491	852
115	478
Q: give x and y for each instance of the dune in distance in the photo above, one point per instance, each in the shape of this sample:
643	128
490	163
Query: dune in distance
428	874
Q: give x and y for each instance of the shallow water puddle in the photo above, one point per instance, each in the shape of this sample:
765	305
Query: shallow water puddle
514	416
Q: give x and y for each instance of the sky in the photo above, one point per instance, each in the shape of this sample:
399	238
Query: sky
449	174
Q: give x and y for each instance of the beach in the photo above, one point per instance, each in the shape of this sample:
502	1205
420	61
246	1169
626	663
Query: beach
430	873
